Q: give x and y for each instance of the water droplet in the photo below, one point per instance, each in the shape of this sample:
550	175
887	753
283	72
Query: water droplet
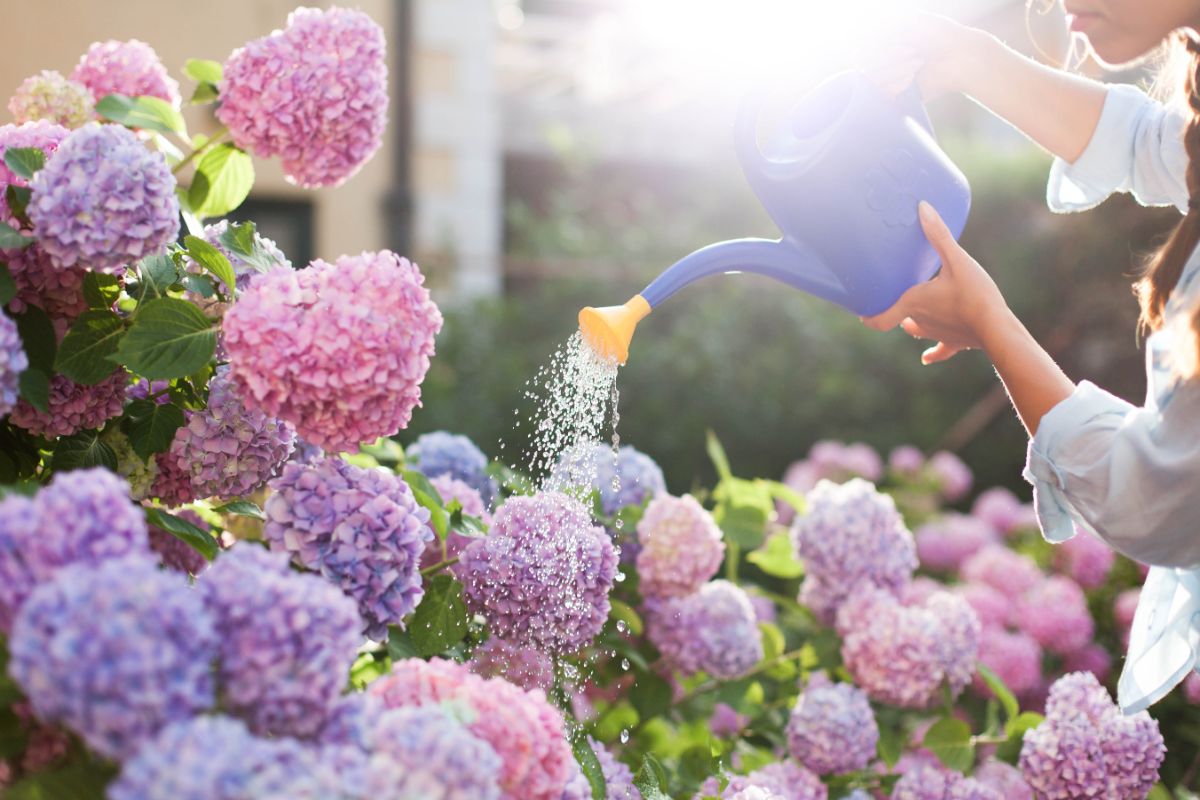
625	736
622	626
625	664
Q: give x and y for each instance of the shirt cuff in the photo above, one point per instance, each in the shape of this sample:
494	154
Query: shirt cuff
1108	159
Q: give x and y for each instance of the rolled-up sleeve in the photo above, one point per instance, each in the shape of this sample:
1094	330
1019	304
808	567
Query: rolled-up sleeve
1130	475
1137	147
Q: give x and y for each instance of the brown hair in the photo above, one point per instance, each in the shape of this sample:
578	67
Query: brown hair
1164	268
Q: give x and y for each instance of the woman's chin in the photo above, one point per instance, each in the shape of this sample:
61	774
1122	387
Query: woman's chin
1119	52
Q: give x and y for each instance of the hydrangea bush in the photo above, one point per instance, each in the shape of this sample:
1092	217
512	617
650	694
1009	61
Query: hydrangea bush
227	573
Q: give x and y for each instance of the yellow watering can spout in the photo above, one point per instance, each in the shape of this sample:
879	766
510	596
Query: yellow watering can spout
609	330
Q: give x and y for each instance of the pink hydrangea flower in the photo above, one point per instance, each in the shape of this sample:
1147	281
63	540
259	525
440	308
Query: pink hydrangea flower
48	96
992	606
315	94
175	553
524	666
173	485
726	722
339	350
73	407
1005	779
933	783
1001	509
781	779
681	547
1093	658
130	68
832	729
1124	607
906	460
713	631
1016	658
45	136
40	282
1002	569
1055	613
1191	687
945	543
953	476
833	461
1085	559
451	488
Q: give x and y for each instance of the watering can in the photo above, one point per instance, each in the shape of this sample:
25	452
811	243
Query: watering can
842	180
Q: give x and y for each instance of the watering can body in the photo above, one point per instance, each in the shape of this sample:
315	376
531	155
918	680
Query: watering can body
842	179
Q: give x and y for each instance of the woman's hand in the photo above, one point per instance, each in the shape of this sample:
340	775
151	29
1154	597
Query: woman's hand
960	308
941	55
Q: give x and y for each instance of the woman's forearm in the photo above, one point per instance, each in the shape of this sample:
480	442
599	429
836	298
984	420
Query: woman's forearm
1035	384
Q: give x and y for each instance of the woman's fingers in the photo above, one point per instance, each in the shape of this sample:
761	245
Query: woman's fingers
939	352
938	234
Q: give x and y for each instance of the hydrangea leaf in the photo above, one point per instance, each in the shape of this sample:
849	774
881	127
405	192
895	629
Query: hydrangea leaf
440	621
81	451
37	338
950	740
155	274
100	290
589	765
203	70
623	612
716	454
777	558
8	287
400	644
169	338
241	240
24	161
185	531
13	239
78	780
1007	699
650	695
14	734
34	386
146	113
151	426
17	198
84	351
1010	749
222	181
243	508
651	778
212	260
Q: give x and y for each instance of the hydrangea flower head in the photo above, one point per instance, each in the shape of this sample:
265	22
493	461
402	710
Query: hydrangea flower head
681	547
339	350
49	97
902	655
104	200
1004	570
360	528
906	460
1087	748
829	460
175	553
314	94
931	783
229	450
713	630
1005	779
45	136
42	283
521	726
543	574
627	477
945	543
287	640
145	637
1093	658
992	606
618	778
1001	509
1086	559
1055	613
851	536
1015	657
780	779
521	665
953	476
443	453
832	729
73	407
173	486
12	363
450	489
130	68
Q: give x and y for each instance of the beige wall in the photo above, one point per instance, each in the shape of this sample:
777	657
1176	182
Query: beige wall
53	34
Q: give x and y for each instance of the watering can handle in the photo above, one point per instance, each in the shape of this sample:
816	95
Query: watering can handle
910	103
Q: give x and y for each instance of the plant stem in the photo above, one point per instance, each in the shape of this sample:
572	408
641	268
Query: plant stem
441	565
210	144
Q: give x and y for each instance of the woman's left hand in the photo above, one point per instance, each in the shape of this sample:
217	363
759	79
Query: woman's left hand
958	308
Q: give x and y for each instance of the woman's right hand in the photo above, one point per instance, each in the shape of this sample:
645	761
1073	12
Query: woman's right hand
941	55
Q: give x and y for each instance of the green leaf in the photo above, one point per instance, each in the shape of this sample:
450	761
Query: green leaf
651	778
625	613
950	740
8	287
222	181
201	285
101	290
716	454
440	621
34	386
84	351
18	198
24	161
37	338
651	695
151	426
212	260
242	242
156	273
202	70
243	508
744	526
199	538
427	496
204	94
1159	792
13	239
1007	699
777	558
890	745
77	780
169	338
1010	749
81	451
589	765
146	113
781	491
21	456
13	734
400	644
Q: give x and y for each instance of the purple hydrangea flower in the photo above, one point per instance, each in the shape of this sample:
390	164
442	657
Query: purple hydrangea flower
713	630
931	783
243	270
832	461
906	460
628	477
1093	658
173	486
1191	687
229	450
443	453
1005	779
543	574
175	553
1055	613
217	758
953	476
1003	569
315	94
726	722
48	96
681	547
130	68
360	528
902	655
286	640
780	779
992	606
145	639
12	363
73	407
756	793
1015	657
338	350
1086	559
40	282
45	136
852	536
524	666
450	489
1001	509
832	729
103	199
81	517
1087	748
945	543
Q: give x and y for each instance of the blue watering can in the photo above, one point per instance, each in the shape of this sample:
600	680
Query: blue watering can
842	180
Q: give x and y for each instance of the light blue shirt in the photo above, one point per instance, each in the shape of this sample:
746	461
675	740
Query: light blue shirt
1129	474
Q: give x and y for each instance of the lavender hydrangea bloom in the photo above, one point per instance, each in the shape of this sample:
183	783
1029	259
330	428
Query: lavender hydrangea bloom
443	453
1005	779
12	363
450	489
1055	613
73	407
82	516
953	476
229	450
992	606
543	574
1086	559
618	778
852	536
782	778
832	729
626	478
45	136
423	752
713	630
1001	509
50	97
945	543
902	655
1004	570
286	640
681	547
756	793
1087	748
217	758
130	68
830	461
521	665
324	116
103	199
931	783
906	460
175	553
144	636
360	528
1015	657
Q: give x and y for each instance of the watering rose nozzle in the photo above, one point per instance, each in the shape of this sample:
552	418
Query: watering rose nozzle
608	330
